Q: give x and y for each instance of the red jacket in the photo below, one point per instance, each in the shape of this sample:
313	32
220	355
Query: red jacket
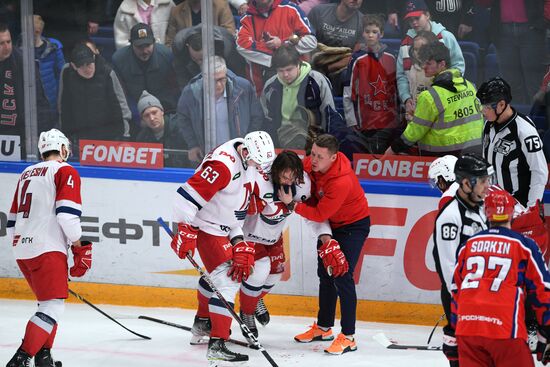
336	195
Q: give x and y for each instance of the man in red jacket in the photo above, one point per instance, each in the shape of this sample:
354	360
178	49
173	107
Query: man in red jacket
337	197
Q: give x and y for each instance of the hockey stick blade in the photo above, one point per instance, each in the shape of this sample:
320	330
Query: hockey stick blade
383	339
79	297
187	328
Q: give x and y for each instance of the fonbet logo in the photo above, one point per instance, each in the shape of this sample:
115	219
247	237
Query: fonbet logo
121	154
401	168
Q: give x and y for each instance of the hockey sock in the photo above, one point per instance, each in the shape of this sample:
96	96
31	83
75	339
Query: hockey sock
248	303
220	319
38	331
49	342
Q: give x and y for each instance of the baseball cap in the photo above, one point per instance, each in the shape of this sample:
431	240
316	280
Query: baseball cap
82	55
415	8
141	34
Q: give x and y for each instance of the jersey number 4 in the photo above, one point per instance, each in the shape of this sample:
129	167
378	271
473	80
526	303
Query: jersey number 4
25	201
471	280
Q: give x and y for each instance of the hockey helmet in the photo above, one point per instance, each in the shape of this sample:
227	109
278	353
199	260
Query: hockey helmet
493	91
260	148
472	167
499	205
444	167
53	140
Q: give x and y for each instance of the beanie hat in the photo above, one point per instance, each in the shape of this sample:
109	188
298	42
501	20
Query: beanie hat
147	100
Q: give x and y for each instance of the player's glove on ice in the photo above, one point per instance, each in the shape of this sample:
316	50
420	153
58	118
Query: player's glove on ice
333	258
185	241
243	261
543	349
82	257
450	348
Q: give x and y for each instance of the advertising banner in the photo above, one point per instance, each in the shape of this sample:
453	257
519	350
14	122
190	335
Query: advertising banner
121	154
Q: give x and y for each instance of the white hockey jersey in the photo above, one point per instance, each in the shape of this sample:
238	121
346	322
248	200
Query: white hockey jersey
45	211
266	224
216	198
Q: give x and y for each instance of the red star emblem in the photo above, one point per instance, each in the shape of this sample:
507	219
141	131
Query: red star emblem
379	85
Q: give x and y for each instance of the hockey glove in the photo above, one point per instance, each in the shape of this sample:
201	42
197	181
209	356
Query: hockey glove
82	257
333	258
243	261
450	347
185	241
543	349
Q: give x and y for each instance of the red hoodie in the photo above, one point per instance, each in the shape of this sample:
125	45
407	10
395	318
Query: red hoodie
337	195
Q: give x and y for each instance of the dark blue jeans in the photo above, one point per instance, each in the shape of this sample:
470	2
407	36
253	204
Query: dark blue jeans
351	239
520	52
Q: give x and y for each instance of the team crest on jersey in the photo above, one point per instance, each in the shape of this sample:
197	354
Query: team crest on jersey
504	146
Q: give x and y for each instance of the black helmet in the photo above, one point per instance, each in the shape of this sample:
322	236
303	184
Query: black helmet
472	166
494	90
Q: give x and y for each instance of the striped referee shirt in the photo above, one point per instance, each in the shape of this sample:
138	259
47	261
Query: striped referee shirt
514	148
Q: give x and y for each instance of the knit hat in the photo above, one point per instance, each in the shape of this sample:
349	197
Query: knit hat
147	100
415	8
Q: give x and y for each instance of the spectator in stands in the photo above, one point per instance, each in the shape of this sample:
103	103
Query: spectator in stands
389	8
418	16
12	112
146	64
297	102
265	27
188	14
238	111
308	5
338	25
187	48
162	128
447	119
49	54
458	15
518	30
93	105
70	22
418	81
131	12
370	101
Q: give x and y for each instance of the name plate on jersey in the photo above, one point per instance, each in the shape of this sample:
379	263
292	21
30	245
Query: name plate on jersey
10	148
121	154
392	168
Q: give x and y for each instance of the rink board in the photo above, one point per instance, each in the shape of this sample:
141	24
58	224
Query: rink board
134	264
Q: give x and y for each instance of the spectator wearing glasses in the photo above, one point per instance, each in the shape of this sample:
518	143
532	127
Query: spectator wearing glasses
238	110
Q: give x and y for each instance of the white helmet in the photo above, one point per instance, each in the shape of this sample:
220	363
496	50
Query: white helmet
443	166
53	140
260	148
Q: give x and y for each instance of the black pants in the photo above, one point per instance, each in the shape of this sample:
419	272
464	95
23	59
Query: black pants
351	238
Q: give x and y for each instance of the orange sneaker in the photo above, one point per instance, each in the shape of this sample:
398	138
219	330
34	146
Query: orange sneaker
314	333
341	345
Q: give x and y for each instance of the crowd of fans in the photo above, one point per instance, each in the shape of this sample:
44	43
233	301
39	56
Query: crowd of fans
293	68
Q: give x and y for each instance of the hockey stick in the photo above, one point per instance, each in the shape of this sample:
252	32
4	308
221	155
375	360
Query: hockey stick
78	296
254	341
432	333
164	322
383	339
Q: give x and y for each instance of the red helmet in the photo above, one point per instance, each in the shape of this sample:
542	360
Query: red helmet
499	205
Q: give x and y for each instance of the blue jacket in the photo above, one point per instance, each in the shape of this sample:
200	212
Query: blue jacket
244	110
50	63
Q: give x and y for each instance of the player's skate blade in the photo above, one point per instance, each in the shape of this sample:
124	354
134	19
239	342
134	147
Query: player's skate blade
218	352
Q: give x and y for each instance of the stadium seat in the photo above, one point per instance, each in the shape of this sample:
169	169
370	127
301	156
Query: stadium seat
471	47
471	66
106	46
491	66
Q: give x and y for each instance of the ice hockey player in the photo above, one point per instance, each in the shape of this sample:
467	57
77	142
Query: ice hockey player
442	176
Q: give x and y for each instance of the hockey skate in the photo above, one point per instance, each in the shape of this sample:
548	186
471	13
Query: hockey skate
44	359
20	359
200	330
218	352
262	313
251	323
